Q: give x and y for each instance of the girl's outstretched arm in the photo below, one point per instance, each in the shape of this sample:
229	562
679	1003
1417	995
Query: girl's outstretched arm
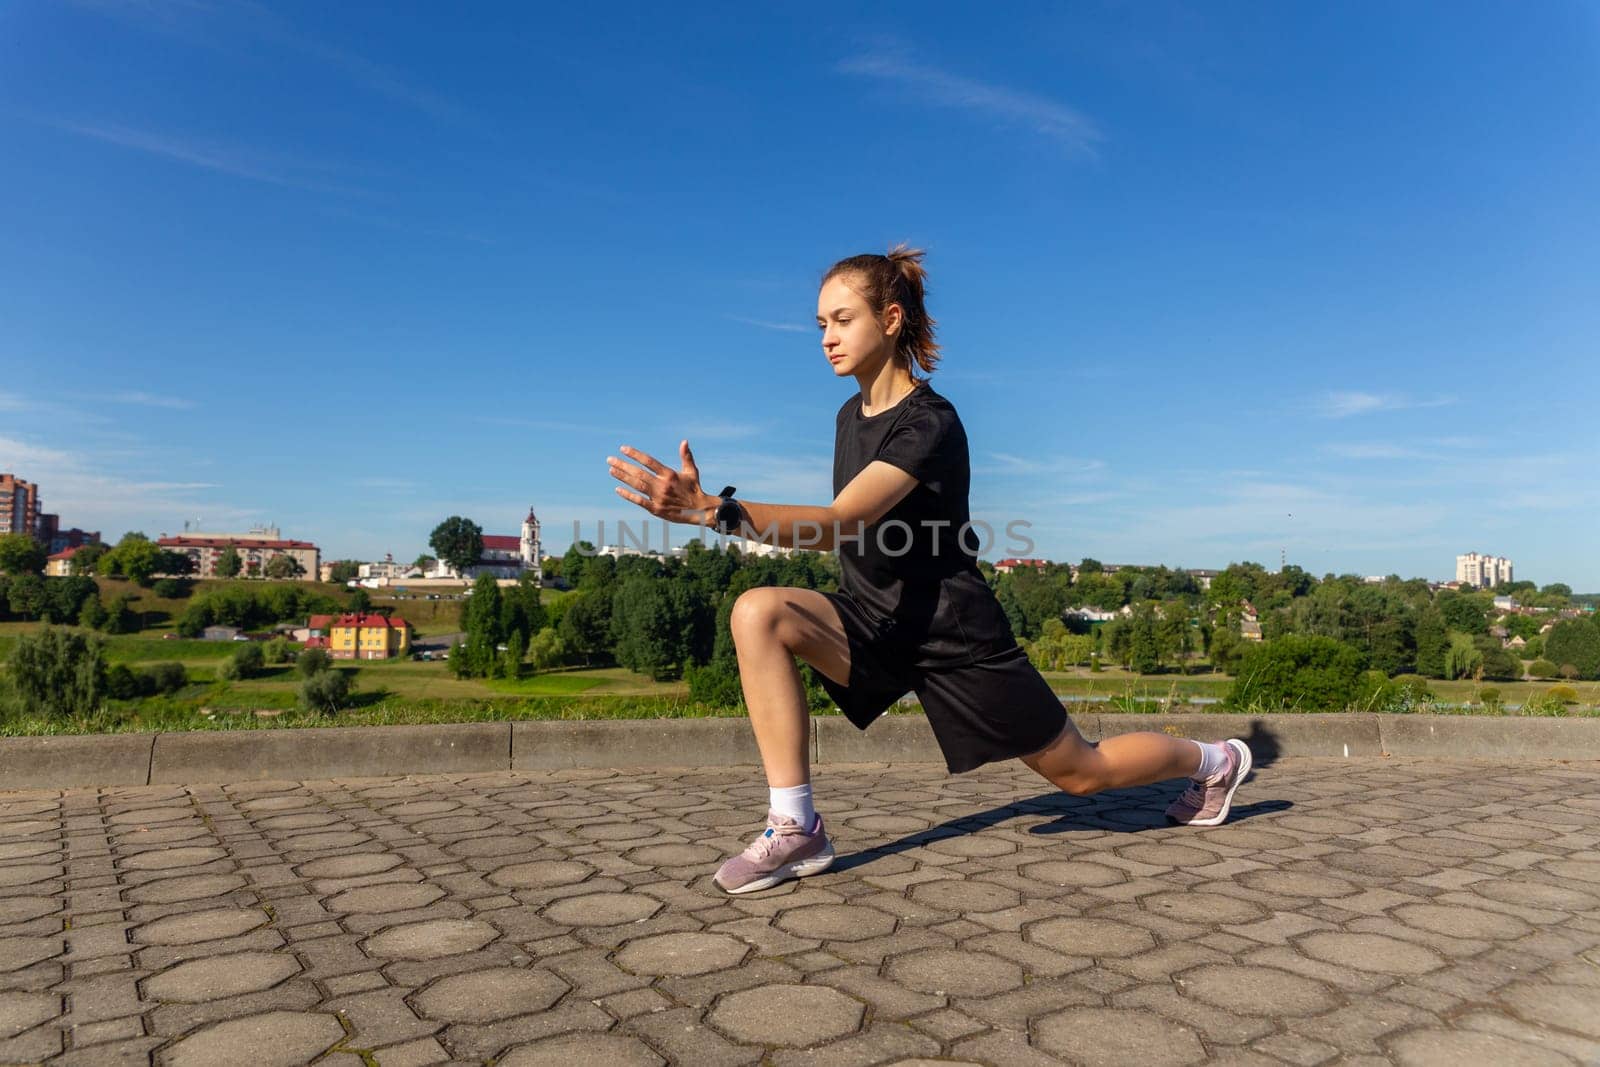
677	497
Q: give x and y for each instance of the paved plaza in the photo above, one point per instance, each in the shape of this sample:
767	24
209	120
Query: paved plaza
1358	911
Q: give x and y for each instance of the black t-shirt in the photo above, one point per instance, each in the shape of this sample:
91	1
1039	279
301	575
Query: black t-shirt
914	571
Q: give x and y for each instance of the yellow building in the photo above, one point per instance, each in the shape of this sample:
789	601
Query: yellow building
368	637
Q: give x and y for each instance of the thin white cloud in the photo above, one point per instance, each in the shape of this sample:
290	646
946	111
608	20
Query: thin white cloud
1342	405
1049	118
1034	466
718	431
149	400
86	495
1373	450
782	327
213	156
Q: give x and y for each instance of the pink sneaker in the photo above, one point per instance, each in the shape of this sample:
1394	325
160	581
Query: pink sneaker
1207	803
782	851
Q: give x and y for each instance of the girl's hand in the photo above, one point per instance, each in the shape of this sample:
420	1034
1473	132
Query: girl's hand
672	495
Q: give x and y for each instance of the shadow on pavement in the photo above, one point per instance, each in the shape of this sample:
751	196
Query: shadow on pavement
1137	811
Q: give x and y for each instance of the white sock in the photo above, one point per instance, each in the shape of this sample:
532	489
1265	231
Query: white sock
1213	760
795	802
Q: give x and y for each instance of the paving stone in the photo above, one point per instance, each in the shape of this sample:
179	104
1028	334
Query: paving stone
23	1011
836	922
949	972
583	1050
1112	1037
431	939
681	954
601	909
1090	937
221	976
212	924
1371	952
1451	1048
483	996
1257	990
540	873
385	898
794	1015
286	1038
1332	931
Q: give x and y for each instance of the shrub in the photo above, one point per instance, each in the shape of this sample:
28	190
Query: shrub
325	691
248	659
280	650
1564	693
1542	668
1298	671
1488	695
1575	642
58	672
228	670
167	678
171	589
716	684
123	683
312	661
1416	687
92	616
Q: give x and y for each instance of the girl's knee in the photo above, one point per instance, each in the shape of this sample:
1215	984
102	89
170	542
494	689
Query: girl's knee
756	612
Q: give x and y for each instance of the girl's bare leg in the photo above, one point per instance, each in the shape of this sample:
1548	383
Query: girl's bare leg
1081	768
771	626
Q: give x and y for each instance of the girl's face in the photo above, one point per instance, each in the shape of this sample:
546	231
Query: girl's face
853	339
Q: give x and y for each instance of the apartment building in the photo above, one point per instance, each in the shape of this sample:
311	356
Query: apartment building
1482	572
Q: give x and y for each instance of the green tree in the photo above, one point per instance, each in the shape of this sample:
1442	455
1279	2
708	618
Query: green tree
1466	612
1575	643
1307	672
1144	641
343	570
547	650
249	659
86	558
1432	642
25	595
325	691
229	563
312	661
422	563
481	618
120	617
283	566
58	673
586	624
92	615
511	659
136	558
458	542
21	554
1462	659
575	561
648	628
359	602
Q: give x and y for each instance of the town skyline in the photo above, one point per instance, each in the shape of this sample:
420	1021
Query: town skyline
1207	292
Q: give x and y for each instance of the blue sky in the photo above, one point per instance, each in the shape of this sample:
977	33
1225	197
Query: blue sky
1214	281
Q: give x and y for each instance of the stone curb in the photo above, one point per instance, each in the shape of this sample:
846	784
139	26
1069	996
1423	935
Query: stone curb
197	757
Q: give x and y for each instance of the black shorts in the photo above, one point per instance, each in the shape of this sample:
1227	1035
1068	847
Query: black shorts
995	708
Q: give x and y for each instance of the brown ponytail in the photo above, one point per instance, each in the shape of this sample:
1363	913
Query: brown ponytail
897	278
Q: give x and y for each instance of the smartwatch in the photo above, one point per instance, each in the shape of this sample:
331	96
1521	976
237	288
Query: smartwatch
729	515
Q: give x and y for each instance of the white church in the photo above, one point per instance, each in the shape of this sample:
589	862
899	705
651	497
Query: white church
504	556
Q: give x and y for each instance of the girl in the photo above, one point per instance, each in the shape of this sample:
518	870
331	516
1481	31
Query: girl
913	611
